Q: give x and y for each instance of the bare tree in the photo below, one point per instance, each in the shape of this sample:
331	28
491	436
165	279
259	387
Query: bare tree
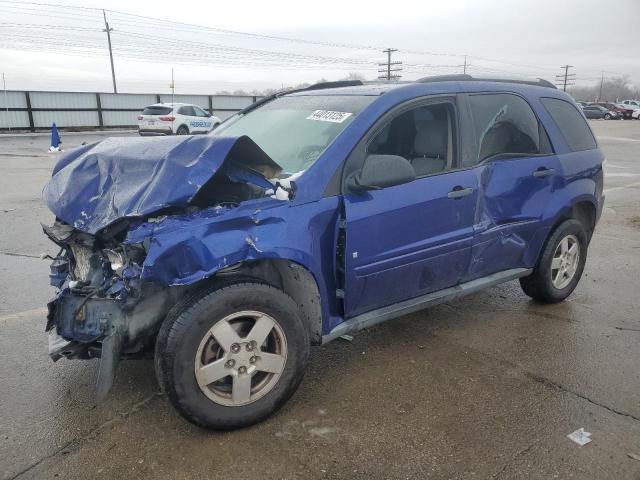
613	89
355	76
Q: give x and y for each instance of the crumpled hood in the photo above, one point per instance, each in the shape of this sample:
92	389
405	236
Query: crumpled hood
95	185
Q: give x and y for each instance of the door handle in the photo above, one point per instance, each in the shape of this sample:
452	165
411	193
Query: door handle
459	192
543	172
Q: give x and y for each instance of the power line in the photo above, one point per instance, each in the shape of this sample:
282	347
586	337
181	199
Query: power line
183	50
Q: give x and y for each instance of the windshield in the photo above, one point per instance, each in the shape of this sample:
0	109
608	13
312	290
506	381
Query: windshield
295	130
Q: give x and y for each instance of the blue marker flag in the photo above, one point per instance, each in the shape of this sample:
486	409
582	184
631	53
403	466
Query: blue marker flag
55	136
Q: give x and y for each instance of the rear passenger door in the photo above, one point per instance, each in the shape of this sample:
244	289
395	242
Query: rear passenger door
408	240
510	152
202	123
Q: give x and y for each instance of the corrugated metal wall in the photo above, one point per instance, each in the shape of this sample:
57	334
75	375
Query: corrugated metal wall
22	110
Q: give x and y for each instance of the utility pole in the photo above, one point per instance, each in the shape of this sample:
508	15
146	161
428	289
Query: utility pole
464	67
387	70
601	83
6	102
566	78
173	86
109	30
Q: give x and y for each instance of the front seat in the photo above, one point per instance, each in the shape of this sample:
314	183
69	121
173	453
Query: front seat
430	147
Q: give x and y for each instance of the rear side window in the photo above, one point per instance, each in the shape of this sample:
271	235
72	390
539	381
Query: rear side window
156	111
572	125
506	127
188	111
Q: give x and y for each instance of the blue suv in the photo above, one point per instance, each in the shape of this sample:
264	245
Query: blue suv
307	216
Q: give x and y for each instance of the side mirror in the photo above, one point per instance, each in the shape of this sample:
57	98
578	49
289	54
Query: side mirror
380	171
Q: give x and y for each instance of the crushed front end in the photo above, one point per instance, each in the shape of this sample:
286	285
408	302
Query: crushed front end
138	223
102	309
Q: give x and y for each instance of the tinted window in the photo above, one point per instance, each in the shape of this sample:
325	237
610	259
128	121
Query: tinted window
156	111
505	126
423	135
187	111
200	112
572	125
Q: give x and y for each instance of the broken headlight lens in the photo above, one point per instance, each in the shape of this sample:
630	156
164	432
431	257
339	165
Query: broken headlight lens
117	261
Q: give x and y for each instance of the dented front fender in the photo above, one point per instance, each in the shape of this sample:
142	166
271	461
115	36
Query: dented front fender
185	249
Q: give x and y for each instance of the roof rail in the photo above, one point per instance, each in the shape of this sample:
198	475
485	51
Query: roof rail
336	84
468	78
315	86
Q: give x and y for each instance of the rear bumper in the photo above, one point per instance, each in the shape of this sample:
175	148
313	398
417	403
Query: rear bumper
154	131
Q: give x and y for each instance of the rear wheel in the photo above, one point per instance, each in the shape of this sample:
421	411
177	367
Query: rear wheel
232	356
182	130
607	116
560	266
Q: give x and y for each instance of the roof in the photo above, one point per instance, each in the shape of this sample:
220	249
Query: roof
429	85
175	104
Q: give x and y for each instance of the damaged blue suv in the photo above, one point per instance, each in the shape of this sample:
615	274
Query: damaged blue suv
310	215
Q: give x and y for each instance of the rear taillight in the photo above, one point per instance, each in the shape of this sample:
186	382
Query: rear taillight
167	118
139	117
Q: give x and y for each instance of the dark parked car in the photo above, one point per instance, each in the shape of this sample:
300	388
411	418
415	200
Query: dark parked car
623	113
596	111
308	216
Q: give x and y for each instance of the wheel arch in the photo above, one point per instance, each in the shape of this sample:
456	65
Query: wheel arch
290	276
584	210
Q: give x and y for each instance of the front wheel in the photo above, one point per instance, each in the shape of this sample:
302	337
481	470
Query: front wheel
230	357
607	116
560	265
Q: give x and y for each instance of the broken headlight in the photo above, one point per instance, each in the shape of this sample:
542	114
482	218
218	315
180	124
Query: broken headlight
117	261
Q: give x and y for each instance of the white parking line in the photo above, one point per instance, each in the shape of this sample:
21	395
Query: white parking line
618	139
622	174
624	187
22	315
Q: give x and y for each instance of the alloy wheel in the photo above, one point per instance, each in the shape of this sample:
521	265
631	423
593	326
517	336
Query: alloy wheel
566	259
241	358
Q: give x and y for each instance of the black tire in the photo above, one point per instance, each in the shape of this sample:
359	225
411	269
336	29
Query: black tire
182	130
188	323
607	116
539	285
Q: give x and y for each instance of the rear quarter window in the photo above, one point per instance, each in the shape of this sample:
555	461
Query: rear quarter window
156	111
572	124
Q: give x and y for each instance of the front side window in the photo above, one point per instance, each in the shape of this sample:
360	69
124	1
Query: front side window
572	125
423	135
295	130
505	127
200	112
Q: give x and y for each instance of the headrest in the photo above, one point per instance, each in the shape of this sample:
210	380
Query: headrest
431	138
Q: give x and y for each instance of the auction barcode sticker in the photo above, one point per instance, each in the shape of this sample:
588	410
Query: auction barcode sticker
329	116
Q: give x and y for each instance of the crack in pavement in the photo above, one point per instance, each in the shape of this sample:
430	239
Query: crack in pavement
27	255
627	329
558	386
544	381
78	440
513	459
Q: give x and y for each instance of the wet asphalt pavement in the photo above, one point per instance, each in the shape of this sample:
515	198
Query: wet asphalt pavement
487	386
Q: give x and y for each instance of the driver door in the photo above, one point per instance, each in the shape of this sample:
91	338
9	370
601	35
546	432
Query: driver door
408	240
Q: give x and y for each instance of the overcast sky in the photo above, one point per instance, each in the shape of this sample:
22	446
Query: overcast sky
501	37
